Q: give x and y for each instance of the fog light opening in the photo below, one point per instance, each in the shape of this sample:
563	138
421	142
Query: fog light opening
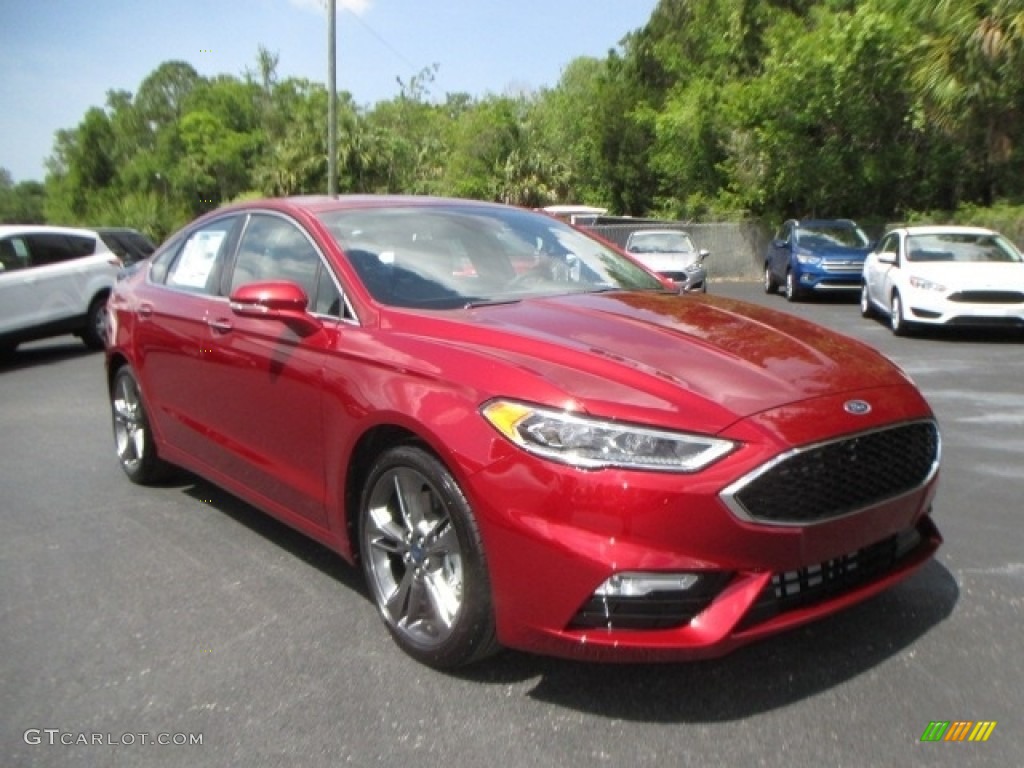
631	584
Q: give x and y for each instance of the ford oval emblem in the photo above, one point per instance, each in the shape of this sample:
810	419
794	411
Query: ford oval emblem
857	407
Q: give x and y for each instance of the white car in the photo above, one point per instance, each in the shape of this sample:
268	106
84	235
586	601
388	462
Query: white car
672	254
54	280
945	276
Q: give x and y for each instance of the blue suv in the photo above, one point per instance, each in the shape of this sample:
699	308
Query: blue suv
816	256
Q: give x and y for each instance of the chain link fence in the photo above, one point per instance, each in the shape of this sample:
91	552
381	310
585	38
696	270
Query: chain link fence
737	248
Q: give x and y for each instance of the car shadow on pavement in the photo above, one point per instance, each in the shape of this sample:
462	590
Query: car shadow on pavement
758	678
47	354
761	677
287	538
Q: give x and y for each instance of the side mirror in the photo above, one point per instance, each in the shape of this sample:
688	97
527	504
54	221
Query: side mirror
279	300
702	254
887	257
779	243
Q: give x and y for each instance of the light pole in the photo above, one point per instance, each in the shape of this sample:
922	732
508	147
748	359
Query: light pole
332	100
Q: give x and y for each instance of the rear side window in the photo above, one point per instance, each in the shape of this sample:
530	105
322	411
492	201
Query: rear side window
13	254
199	261
52	248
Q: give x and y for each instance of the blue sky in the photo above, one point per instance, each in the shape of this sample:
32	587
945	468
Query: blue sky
60	57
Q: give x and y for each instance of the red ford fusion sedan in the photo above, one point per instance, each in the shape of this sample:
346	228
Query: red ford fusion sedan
524	437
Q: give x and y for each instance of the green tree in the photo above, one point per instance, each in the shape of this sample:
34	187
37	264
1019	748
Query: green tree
21	203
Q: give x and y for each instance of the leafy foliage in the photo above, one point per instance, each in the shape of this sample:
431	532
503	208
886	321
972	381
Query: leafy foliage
714	108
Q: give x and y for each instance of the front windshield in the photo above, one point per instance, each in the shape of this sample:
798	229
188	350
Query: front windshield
458	255
660	242
963	247
827	235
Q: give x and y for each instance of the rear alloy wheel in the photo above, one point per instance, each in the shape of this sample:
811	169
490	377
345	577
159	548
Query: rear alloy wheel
770	286
424	561
133	438
95	332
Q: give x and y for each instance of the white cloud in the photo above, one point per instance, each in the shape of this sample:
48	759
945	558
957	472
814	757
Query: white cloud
358	7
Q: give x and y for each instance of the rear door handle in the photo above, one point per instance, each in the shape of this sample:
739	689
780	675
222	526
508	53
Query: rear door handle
145	310
220	324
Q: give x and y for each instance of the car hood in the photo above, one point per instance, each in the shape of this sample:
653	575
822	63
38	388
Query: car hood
838	253
696	360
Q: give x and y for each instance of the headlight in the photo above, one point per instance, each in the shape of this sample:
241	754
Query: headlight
695	266
926	285
806	258
595	444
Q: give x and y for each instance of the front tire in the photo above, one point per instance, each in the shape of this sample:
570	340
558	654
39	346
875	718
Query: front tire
865	301
424	561
792	290
897	320
133	437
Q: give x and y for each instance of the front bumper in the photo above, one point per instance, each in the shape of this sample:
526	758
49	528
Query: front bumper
939	309
826	278
555	535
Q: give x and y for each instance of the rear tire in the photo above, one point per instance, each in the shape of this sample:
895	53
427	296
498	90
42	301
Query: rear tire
770	285
133	437
94	335
424	560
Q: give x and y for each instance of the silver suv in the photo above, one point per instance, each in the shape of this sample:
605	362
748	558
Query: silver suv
53	280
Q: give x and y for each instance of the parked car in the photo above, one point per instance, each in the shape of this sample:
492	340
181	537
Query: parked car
948	276
53	280
815	256
672	254
130	245
574	460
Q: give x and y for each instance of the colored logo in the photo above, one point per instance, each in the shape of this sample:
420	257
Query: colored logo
958	730
857	407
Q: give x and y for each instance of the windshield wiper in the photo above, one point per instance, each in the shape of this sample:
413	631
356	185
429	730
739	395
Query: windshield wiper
475	303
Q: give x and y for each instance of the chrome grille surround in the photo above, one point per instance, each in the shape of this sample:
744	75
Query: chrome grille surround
837	478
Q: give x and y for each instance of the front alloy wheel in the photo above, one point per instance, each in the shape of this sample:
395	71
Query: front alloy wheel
897	321
792	291
423	560
865	301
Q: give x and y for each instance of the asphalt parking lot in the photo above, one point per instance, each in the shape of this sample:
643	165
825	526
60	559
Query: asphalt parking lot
133	615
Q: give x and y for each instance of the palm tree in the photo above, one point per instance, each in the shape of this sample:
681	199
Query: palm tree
971	59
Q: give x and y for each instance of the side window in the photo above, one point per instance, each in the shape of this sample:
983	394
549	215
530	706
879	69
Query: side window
158	271
274	248
890	244
13	254
195	268
52	249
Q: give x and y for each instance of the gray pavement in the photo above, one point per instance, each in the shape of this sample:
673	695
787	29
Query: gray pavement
133	615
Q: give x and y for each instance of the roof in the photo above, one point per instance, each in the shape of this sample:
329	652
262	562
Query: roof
6	230
945	229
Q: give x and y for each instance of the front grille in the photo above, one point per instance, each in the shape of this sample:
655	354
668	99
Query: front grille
843	267
972	321
659	610
826	481
806	586
988	297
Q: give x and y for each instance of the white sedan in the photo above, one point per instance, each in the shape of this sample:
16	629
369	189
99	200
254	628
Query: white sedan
944	275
